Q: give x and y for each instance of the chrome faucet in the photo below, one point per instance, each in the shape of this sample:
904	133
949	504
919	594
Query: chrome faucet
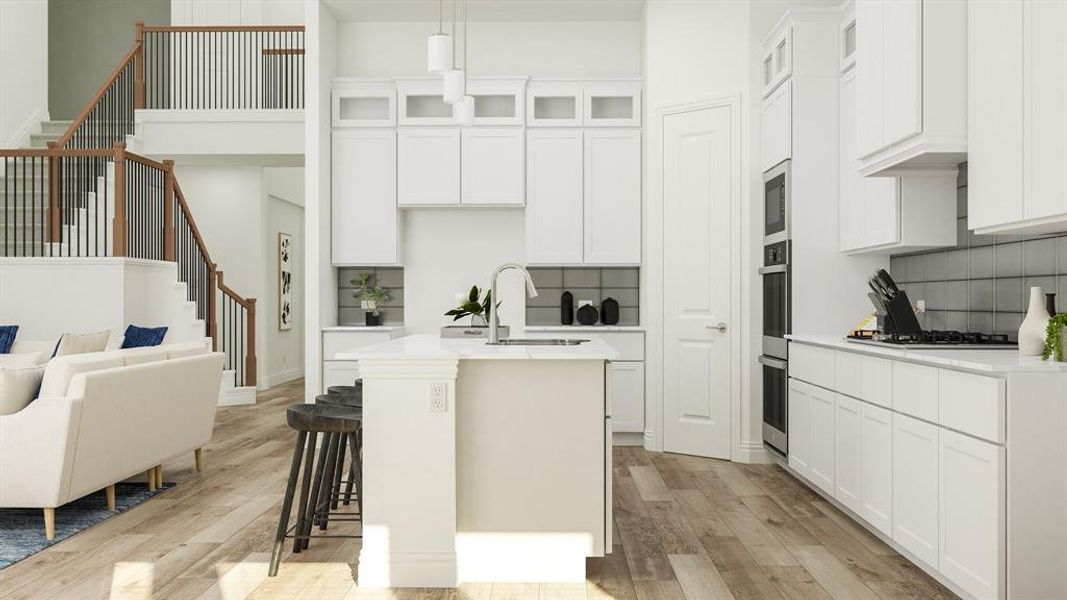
494	319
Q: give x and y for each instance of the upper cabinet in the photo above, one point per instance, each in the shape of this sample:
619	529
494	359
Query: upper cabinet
567	103
364	104
911	79
777	63
1017	127
491	166
776	127
363	197
612	196
498	100
428	166
554	190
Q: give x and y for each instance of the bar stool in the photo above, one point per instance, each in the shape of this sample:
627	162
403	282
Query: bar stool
310	420
348	399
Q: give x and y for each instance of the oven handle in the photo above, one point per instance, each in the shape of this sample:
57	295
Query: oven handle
772	269
773	363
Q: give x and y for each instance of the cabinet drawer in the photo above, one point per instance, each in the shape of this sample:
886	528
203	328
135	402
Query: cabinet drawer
878	381
915	390
812	364
342	341
848	374
972	404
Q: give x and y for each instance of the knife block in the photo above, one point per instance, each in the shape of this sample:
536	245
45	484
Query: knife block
900	317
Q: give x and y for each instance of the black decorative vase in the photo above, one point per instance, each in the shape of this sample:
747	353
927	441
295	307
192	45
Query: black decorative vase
609	311
566	308
587	315
1050	303
373	320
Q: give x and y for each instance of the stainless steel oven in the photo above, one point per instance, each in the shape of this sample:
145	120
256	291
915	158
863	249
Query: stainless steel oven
777	291
775	403
777	306
776	192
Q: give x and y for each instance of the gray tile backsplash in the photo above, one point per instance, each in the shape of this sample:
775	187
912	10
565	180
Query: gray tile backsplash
983	284
390	278
592	284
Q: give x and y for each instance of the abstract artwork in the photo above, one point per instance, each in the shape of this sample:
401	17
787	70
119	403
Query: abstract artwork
285	281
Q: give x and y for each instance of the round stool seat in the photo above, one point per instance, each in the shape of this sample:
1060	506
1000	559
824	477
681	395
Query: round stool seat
324	418
351	401
346	390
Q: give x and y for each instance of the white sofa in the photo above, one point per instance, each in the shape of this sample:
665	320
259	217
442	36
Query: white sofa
104	417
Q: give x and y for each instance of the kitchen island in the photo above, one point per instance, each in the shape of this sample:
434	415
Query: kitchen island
483	463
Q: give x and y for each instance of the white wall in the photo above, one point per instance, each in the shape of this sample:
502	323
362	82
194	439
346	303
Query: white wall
23	69
284	360
237	12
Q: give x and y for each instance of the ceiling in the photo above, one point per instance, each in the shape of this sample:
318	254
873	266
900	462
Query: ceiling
489	10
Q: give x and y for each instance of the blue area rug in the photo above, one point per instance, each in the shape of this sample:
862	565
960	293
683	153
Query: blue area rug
22	529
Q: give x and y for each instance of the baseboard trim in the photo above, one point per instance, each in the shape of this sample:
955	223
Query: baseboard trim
21	137
753	453
280	378
242	396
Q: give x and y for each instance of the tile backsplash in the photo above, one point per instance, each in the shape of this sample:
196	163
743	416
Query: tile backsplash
586	283
983	283
390	278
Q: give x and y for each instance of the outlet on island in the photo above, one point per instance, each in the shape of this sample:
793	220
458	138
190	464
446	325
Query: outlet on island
438	398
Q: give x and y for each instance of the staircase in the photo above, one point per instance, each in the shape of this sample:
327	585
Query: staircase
51	131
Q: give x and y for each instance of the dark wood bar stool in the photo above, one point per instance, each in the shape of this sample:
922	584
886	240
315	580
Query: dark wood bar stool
316	492
351	397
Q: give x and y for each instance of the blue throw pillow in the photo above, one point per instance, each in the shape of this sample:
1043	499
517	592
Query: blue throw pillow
7	337
139	337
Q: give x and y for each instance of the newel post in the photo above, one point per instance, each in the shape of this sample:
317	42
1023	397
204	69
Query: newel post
55	233
250	356
138	67
118	242
168	210
214	279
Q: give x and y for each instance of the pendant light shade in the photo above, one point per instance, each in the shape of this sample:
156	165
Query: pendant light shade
455	83
464	111
439	52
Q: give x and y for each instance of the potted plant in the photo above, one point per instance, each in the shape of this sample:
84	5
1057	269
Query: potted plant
476	305
371	297
1054	337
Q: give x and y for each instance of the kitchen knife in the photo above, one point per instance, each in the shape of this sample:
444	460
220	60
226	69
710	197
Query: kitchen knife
879	287
888	281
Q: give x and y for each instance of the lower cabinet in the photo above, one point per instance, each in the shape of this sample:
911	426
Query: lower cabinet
628	409
876	451
339	372
822	439
799	427
971	513
848	453
915	487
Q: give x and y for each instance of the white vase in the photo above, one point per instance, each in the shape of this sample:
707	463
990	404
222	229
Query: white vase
1032	331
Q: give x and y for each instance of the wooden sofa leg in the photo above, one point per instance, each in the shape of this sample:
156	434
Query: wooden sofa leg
151	474
198	457
159	476
50	524
110	491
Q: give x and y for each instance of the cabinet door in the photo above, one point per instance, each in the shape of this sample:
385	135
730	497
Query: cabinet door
972	542
428	166
902	60
995	107
613	197
493	167
628	382
1046	123
554	196
915	484
363	197
799	427
881	210
869	82
877	467
617	105
777	127
344	372
848	453
554	105
850	221
822	439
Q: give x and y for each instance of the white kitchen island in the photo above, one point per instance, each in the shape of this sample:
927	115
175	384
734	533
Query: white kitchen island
483	463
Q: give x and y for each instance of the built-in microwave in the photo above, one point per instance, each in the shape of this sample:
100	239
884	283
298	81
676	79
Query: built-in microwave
776	190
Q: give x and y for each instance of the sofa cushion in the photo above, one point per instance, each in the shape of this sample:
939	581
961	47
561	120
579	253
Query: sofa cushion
60	370
17	387
140	337
7	337
19	361
139	356
82	343
185	349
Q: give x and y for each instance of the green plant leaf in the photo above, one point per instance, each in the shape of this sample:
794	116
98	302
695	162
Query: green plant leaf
474	294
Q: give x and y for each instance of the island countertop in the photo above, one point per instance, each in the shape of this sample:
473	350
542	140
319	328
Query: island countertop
432	347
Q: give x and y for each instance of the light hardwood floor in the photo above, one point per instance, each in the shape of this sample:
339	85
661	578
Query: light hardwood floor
686	528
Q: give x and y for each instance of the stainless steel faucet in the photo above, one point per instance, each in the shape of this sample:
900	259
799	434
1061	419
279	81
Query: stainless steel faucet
494	319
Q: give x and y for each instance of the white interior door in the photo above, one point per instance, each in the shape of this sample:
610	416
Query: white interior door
699	185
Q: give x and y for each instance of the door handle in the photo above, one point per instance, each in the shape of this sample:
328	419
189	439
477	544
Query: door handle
721	327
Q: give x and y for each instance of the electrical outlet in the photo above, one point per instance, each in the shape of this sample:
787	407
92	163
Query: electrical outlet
920	306
438	398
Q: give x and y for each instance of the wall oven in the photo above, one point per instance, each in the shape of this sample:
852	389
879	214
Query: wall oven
775	274
775	403
777	309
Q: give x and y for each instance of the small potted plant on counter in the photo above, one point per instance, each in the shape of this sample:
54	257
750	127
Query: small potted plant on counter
1054	337
478	307
371	297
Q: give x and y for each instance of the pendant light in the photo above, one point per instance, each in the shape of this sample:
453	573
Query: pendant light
464	109
439	45
455	83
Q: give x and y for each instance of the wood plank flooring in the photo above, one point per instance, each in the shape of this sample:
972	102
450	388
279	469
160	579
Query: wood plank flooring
686	528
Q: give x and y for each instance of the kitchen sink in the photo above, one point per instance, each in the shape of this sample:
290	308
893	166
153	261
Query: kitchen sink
537	342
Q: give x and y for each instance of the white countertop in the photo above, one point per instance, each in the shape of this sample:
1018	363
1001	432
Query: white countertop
432	346
584	328
983	359
364	328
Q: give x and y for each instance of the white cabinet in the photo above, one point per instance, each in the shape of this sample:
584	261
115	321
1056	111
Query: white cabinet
628	384
612	200
554	104
421	102
911	78
799	427
428	166
1017	126
573	103
339	372
363	197
554	190
889	215
364	104
337	340
848	453
612	105
492	166
498	101
777	127
877	467
915	487
776	64
971	514
822	438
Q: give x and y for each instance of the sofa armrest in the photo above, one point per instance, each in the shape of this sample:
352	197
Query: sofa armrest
36	453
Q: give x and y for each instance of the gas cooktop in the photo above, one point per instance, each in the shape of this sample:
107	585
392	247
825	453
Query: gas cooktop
936	339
